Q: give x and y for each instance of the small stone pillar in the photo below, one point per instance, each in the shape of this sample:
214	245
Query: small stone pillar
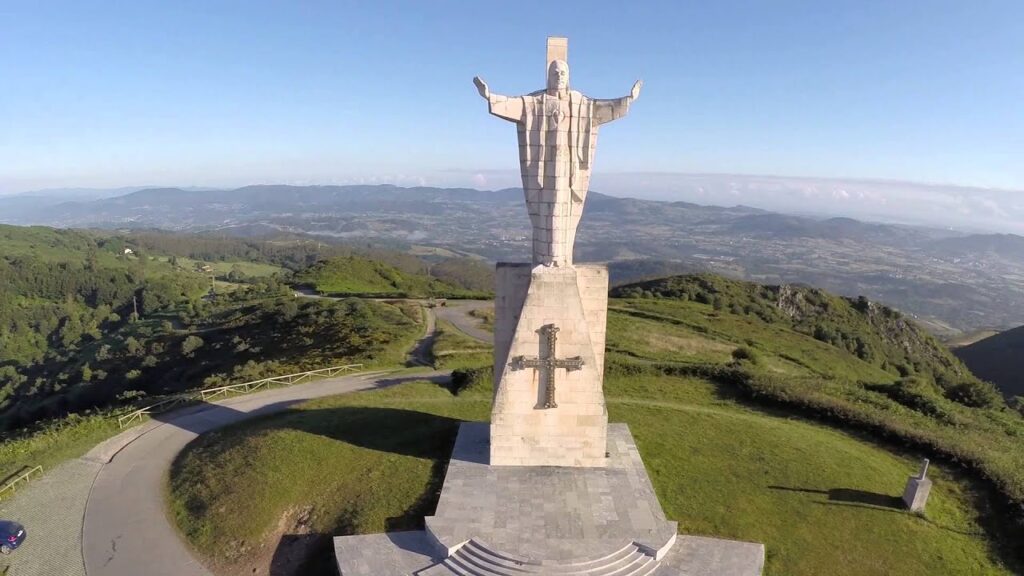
915	495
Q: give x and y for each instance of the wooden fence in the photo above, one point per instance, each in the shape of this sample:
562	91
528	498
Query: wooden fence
244	388
22	477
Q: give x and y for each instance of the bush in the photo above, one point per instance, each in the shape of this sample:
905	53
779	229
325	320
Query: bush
921	395
191	344
470	378
976	394
743	353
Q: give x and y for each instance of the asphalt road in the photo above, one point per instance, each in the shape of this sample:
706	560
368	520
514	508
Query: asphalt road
126	529
457	312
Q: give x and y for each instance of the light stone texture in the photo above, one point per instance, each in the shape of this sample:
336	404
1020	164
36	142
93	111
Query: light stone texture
915	495
523	431
557	130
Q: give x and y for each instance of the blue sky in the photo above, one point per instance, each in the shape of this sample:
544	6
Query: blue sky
230	93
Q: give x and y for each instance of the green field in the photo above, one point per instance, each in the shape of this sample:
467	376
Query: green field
223	268
823	502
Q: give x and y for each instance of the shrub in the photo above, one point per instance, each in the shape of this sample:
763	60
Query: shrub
976	394
921	395
191	344
1017	403
744	353
470	378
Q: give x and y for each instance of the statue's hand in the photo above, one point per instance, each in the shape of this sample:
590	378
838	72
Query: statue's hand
481	87
635	93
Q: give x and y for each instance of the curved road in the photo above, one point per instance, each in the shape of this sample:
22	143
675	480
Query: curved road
457	312
104	514
126	529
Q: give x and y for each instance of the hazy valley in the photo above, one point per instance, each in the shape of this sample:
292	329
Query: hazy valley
951	281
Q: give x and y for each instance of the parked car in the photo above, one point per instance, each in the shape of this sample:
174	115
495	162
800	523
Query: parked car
12	535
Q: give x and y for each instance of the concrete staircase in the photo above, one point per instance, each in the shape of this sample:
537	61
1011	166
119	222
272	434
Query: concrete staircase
475	559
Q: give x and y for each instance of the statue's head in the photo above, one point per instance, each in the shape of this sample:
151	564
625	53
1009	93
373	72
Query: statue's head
558	75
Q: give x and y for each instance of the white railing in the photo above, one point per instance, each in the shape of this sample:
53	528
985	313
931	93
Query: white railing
243	388
24	477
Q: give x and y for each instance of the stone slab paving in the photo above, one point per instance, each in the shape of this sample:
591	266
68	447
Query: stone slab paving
392	554
51	508
546	513
545	520
699	556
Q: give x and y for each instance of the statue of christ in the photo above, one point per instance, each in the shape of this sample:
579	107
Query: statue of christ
557	138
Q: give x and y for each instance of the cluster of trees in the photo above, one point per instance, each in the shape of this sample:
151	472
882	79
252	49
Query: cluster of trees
85	323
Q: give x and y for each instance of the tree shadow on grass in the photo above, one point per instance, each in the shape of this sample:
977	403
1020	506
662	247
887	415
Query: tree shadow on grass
850	497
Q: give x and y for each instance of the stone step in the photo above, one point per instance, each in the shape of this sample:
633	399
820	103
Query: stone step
480	550
475	559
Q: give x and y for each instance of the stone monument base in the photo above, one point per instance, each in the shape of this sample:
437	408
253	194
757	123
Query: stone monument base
545	520
915	495
573	432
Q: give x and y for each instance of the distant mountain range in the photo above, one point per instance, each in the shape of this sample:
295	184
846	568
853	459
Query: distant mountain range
951	280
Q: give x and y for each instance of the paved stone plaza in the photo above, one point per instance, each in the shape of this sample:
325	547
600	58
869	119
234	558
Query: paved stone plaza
545	520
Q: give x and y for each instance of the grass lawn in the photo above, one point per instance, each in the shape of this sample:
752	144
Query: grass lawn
452	349
51	446
222	268
822	501
485	316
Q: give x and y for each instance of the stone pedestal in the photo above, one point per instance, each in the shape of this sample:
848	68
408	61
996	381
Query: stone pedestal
553	417
915	495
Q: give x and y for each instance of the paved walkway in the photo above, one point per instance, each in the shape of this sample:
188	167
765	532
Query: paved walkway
104	514
51	508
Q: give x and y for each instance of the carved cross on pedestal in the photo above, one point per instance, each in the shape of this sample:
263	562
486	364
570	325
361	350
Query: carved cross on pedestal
548	364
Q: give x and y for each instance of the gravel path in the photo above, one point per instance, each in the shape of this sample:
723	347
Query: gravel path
51	508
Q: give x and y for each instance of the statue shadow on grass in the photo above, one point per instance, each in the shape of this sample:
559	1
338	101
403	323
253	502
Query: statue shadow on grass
391	430
850	497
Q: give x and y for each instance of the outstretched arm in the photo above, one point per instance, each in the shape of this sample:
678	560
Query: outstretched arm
615	108
505	107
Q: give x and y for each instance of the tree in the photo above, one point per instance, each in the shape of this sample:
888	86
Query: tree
190	345
134	347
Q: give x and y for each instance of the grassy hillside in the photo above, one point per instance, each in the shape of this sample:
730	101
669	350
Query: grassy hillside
751	427
822	501
876	335
998	359
355	275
